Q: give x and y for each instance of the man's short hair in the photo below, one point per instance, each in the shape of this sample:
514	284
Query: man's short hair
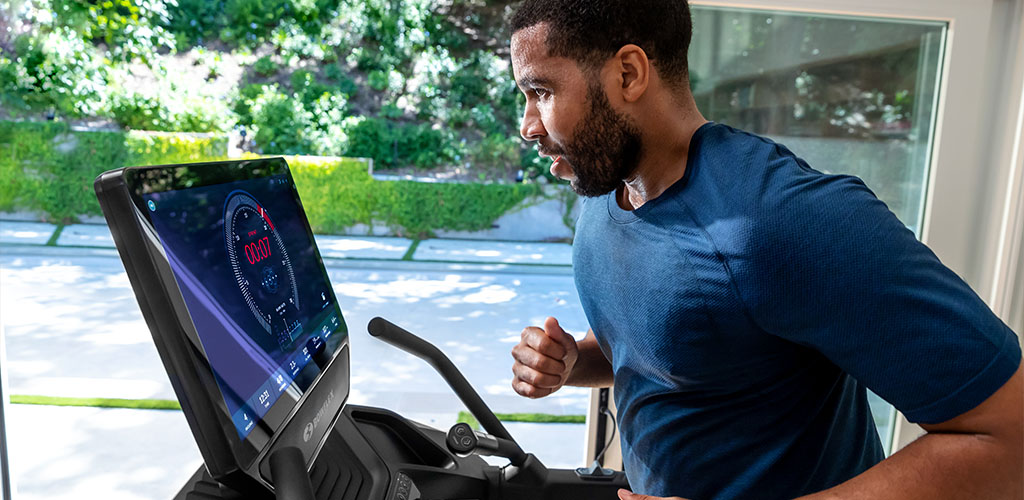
591	31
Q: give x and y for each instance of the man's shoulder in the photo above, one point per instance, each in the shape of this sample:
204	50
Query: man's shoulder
737	174
718	139
770	175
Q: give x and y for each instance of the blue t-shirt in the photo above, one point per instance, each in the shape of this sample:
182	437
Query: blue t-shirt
747	309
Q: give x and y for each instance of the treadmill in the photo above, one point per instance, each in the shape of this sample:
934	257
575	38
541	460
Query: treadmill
225	269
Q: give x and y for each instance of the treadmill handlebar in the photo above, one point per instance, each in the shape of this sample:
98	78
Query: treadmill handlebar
463	441
402	339
288	471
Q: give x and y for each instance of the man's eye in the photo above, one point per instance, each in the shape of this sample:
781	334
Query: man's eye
541	93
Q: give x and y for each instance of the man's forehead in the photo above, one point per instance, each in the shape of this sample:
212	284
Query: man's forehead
531	63
530	44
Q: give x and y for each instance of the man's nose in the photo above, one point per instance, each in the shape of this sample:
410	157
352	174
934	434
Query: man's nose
532	128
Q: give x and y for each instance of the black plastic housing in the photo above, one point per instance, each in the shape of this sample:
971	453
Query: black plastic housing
229	459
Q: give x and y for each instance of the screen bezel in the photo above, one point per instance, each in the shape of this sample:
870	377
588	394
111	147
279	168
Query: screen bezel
141	181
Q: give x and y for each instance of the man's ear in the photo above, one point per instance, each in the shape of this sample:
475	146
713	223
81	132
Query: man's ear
634	71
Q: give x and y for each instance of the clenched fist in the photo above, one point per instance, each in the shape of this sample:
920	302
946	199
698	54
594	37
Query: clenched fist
543	360
628	495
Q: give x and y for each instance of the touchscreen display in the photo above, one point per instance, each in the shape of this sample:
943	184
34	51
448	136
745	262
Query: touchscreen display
254	286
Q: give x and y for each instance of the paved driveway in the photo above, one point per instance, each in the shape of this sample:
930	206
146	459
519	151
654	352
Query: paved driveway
73	328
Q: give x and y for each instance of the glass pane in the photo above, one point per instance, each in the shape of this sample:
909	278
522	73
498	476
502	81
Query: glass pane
850	95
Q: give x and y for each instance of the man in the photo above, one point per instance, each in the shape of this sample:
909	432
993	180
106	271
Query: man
741	302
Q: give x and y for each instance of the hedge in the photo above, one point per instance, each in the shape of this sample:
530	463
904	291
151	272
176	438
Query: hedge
338	194
49	169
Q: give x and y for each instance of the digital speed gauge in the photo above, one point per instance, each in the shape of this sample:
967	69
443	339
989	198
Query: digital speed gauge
261	267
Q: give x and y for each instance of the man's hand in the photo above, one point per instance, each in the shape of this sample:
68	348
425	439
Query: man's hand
543	360
628	495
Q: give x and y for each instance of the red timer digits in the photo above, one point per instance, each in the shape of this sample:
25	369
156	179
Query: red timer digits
265	277
258	250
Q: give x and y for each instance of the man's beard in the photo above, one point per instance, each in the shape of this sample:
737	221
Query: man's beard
604	149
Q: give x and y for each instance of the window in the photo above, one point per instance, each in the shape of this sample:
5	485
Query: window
851	95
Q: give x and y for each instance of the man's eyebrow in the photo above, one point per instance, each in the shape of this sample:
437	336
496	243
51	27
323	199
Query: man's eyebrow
530	82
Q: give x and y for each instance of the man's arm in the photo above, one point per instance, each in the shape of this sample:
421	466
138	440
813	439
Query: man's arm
546	359
592	369
977	455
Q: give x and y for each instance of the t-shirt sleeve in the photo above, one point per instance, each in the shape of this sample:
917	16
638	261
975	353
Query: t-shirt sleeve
832	268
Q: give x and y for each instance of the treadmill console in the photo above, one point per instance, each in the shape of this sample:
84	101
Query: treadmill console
224	250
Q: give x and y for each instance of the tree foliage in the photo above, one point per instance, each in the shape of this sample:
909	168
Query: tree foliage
410	83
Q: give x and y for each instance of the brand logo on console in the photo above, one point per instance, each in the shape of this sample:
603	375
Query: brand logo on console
307	433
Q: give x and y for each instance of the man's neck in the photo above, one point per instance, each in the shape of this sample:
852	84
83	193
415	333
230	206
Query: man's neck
663	159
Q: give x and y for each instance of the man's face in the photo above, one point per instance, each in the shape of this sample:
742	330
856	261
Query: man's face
568	114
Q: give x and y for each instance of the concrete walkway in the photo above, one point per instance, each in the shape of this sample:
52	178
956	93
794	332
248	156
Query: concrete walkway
331	247
73	328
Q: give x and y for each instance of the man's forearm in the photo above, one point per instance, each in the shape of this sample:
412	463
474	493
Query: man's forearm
591	369
979	454
939	466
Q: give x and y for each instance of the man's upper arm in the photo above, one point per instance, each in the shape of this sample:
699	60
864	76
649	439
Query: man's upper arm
1000	417
839	273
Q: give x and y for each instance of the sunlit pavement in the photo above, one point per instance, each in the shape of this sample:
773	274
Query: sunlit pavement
73	328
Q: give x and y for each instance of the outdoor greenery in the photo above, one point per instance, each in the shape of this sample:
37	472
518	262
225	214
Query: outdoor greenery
170	404
135	404
536	418
425	85
413	84
49	168
337	194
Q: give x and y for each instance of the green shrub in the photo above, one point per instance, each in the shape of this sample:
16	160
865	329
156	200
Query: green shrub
54	71
47	168
241	105
342	82
394	144
194	21
265	66
339	194
283	124
249	23
378	80
307	88
495	156
253	20
162	106
462	100
129	29
140	112
152	148
309	120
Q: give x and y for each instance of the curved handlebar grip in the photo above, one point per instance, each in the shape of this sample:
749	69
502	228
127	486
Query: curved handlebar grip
288	472
463	441
402	339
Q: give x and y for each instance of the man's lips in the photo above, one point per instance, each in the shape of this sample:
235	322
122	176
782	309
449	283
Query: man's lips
559	165
561	169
